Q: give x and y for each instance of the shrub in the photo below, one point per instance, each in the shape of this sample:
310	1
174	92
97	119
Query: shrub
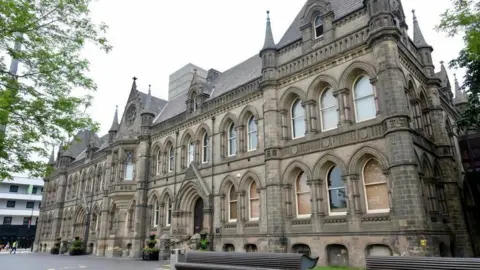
77	247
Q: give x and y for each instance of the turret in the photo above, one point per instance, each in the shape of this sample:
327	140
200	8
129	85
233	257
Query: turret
147	114
424	50
268	54
115	126
383	21
51	161
460	100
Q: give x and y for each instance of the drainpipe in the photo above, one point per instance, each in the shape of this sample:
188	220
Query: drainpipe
212	196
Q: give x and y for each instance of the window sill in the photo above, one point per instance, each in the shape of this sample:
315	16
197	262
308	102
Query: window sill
335	219
230	225
375	217
301	221
252	224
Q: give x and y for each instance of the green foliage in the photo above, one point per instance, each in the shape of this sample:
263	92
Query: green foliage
37	105
203	244
77	247
150	248
464	18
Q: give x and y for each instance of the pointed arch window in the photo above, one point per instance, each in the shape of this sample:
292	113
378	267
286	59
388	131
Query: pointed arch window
298	119
232	205
364	99
191	152
375	186
171	159
252	134
129	166
302	192
232	140
158	164
318	24
337	192
328	110
254	205
156	213
195	105
168	215
205	148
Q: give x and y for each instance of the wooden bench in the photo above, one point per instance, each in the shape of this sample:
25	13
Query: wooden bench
245	261
413	263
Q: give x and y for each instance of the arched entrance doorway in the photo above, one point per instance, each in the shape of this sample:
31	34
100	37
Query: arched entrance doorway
198	216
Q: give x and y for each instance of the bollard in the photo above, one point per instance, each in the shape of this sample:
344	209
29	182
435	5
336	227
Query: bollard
176	255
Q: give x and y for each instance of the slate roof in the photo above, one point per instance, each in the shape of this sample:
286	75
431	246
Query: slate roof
340	8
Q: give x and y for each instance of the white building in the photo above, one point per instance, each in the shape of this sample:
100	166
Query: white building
20	201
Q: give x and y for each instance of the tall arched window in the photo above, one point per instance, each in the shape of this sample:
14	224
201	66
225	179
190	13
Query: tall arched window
159	163
328	110
129	166
376	191
318	27
298	119
171	159
252	133
364	99
156	212
205	145
427	121
337	194
232	140
191	152
302	192
254	205
232	204
168	214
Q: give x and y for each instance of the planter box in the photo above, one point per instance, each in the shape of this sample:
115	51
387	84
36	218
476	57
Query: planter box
150	256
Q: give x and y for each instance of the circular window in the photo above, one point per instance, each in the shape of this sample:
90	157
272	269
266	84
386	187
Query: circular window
131	113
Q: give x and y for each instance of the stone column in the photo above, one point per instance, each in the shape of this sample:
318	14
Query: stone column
400	149
312	119
284	125
103	225
328	30
142	168
242	145
59	202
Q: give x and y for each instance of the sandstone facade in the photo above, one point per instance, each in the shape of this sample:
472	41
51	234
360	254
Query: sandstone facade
336	141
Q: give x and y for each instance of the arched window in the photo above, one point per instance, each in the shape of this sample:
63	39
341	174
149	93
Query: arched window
159	163
251	248
156	212
205	145
302	192
298	119
191	152
129	166
252	133
254	206
195	105
232	140
427	121
232	204
376	191
318	26
364	99
336	192
168	215
328	110
171	159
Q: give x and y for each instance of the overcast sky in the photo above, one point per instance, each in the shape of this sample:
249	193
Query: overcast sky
154	38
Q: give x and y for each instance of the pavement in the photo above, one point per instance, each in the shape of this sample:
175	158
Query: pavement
46	261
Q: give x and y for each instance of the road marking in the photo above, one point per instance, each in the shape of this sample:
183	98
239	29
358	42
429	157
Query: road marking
82	266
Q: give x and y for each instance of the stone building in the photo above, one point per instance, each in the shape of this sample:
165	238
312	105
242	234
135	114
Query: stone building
336	141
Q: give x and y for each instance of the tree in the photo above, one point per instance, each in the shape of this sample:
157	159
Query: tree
464	17
37	105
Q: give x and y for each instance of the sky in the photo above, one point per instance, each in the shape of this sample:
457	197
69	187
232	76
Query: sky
152	39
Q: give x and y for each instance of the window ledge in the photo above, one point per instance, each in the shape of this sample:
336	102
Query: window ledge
374	217
252	224
230	225
335	219
301	221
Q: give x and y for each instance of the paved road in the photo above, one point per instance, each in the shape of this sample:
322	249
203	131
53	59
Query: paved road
45	261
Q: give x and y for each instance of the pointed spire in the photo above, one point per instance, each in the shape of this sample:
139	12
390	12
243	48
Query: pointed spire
195	78
134	84
51	161
115	125
460	96
148	108
269	42
418	38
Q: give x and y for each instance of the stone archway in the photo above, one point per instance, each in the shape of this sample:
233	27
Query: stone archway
198	216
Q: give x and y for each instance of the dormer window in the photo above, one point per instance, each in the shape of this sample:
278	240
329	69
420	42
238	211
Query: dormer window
318	24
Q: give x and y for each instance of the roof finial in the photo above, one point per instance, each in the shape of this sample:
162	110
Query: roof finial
269	42
149	89
134	78
418	38
115	126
